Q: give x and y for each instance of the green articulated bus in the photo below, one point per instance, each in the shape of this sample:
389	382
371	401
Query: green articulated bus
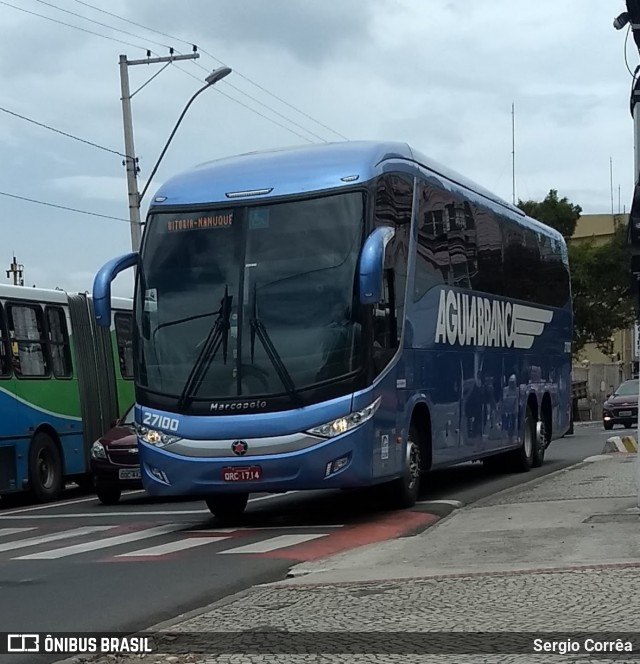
63	381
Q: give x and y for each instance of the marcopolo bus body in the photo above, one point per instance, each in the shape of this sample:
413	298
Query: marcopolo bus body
341	316
63	380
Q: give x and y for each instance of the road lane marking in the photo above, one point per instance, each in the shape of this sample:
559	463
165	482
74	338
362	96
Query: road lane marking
172	547
13	531
16	514
273	543
62	503
53	554
45	539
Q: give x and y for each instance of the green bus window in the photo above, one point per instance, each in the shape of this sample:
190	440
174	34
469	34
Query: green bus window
28	341
124	339
59	343
5	355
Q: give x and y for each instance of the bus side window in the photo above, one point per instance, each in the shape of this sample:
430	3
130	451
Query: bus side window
28	341
124	339
59	342
5	355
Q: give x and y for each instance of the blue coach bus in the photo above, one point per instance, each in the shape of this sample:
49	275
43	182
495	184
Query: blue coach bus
341	316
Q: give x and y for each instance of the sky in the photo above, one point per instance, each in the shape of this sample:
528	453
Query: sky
441	75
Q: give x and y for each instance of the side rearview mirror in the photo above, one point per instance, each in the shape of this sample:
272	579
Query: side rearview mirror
371	265
102	285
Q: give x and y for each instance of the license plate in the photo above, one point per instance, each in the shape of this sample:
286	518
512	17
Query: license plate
129	474
624	413
242	474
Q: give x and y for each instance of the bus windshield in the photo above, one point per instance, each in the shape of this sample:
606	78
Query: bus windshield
278	282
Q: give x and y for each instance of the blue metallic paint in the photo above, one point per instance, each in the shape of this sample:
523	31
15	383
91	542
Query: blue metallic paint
102	285
468	419
371	265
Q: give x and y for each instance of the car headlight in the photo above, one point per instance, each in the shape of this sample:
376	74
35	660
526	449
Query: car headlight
154	437
344	424
98	451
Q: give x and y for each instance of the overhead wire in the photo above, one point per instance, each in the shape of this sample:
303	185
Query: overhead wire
63	133
69	25
213	57
224	94
62	207
48	4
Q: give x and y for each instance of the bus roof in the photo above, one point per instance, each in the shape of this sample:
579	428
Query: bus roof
299	170
9	291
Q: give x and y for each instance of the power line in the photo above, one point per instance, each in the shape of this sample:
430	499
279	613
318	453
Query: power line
61	207
246	78
137	36
104	25
59	131
237	101
69	25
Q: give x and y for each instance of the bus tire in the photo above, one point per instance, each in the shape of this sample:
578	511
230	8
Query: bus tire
521	460
45	468
109	495
540	443
227	507
404	492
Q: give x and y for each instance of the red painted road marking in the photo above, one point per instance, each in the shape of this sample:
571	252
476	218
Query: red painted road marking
387	527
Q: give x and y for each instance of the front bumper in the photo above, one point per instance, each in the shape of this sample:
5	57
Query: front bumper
165	473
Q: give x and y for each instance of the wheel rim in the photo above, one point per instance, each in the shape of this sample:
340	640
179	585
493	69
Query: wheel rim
45	469
528	439
413	463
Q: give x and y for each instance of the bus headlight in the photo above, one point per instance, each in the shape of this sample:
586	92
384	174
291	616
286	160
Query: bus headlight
156	438
98	451
344	424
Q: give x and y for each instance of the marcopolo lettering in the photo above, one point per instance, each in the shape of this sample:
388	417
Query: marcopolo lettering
239	405
471	320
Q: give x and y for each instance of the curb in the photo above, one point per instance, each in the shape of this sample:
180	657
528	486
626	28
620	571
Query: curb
620	444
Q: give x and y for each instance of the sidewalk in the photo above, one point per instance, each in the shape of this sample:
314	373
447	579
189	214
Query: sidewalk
559	554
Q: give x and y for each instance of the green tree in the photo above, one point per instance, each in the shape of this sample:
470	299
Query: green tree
601	287
559	213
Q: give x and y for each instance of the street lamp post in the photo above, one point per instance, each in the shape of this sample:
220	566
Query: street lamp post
131	162
212	79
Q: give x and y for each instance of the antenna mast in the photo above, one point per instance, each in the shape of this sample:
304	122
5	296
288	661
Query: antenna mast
513	151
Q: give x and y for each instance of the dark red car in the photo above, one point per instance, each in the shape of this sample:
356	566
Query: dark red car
114	461
621	407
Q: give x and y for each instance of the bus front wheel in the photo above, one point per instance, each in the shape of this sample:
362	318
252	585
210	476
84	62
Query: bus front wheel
404	492
227	507
45	468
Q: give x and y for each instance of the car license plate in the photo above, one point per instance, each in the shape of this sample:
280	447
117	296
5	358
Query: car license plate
624	413
241	474
129	474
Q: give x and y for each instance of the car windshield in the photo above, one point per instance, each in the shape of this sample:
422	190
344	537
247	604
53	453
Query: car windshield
627	389
288	270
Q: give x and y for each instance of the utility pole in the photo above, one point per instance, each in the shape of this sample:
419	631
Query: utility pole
17	270
131	161
632	18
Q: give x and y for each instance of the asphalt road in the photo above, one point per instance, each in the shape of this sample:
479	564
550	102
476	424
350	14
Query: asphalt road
77	565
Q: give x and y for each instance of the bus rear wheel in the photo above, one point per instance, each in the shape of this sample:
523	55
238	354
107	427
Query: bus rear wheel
45	468
228	506
523	459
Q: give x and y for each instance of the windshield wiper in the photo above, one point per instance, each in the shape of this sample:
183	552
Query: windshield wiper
258	328
218	336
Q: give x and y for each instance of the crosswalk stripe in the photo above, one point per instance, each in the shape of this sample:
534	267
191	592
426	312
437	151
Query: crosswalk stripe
45	539
103	543
13	531
171	547
273	543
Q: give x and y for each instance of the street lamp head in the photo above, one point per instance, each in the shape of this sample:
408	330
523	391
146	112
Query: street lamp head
217	75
